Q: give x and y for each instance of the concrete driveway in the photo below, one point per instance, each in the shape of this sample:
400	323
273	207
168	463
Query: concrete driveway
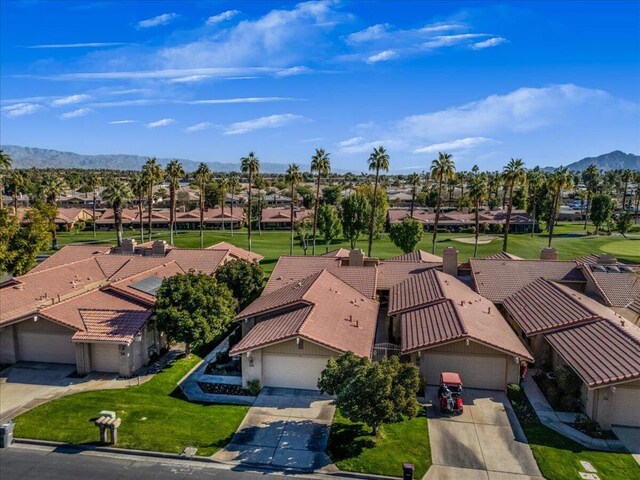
484	443
630	438
285	428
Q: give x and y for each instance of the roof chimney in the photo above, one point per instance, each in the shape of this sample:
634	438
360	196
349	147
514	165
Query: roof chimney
548	254
159	247
606	259
128	245
356	258
450	261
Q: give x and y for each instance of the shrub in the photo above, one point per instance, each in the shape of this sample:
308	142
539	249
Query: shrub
568	381
515	392
254	387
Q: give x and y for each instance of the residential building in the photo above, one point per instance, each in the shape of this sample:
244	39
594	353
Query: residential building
455	221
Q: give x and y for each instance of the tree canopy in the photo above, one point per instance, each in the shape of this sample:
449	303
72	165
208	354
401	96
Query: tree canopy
355	216
406	235
601	210
243	278
329	224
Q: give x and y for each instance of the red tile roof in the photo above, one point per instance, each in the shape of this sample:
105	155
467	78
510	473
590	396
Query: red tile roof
69	254
431	326
498	279
415	291
392	273
416	256
600	352
618	285
237	251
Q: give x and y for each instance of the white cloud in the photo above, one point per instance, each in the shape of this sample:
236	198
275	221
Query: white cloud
443	27
374	32
271	121
160	123
351	141
71	99
454	145
440	41
199	126
222	101
222	17
362	145
121	122
382	56
189	79
79	45
20	109
289	72
492	42
80	112
163	19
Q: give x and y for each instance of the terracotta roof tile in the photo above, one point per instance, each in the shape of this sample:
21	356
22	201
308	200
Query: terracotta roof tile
237	251
417	290
430	326
70	254
416	256
392	273
618	285
116	326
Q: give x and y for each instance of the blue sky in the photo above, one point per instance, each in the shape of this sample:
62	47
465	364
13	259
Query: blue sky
549	82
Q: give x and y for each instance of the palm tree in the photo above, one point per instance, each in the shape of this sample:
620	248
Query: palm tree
91	184
51	188
320	164
234	188
153	173
514	174
378	160
478	193
118	192
16	182
250	166
292	177
260	184
174	173
5	165
138	187
443	168
223	186
559	180
626	177
414	181
202	176
535	179
591	179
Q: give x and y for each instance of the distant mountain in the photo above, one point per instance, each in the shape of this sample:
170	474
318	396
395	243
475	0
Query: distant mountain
27	157
615	160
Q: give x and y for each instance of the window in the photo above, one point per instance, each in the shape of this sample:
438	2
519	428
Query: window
300	344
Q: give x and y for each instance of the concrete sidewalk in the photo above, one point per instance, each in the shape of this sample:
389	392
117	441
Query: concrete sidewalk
549	418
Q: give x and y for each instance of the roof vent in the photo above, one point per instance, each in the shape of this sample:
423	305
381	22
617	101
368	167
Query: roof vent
606	259
598	268
613	268
622	322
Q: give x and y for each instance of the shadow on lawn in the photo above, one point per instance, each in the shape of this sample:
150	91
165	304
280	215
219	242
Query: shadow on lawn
349	440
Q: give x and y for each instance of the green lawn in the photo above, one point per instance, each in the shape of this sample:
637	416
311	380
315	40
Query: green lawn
570	241
559	458
353	449
155	416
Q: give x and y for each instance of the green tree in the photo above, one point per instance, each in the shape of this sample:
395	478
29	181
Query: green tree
304	231
624	223
52	187
559	180
243	278
591	180
329	224
223	188
5	165
332	194
339	371
234	189
442	169
627	176
406	235
91	184
535	180
355	213
414	181
382	206
20	243
478	193
376	393
250	166
15	184
602	207
321	165
202	176
378	160
514	174
193	308
152	173
138	185
293	177
174	173
118	193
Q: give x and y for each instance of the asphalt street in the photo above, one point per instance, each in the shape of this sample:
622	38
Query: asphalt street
35	463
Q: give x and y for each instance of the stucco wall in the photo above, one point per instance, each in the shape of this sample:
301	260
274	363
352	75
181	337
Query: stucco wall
7	345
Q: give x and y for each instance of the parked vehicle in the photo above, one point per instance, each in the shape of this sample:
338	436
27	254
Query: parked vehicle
450	393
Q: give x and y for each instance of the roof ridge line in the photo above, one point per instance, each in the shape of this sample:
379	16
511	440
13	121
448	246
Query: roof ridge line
568	295
58	266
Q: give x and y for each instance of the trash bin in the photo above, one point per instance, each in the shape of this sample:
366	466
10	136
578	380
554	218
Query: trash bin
407	471
6	434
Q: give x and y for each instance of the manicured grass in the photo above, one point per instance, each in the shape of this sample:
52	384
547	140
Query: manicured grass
353	449
559	458
570	241
155	416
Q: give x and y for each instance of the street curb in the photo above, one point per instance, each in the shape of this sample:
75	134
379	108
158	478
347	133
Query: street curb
209	460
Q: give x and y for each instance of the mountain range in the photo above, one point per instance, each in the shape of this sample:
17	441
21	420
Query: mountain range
27	157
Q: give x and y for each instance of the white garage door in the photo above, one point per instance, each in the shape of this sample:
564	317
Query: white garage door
476	371
626	407
292	371
105	358
46	347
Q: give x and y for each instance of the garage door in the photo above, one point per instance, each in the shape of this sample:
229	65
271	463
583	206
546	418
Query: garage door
46	347
476	371
625	407
105	358
292	371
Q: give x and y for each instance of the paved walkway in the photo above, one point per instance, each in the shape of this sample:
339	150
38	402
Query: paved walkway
549	417
285	428
630	438
485	442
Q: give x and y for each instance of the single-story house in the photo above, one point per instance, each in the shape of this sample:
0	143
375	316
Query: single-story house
276	218
456	221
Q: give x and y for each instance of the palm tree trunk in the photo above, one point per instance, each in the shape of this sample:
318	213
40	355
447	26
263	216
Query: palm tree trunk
435	222
201	205
117	214
475	247
260	203
315	216
552	220
222	208
232	200
587	210
413	200
172	214
533	212
508	220
150	202
141	217
624	195
249	215
291	219
15	203
94	215
373	214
